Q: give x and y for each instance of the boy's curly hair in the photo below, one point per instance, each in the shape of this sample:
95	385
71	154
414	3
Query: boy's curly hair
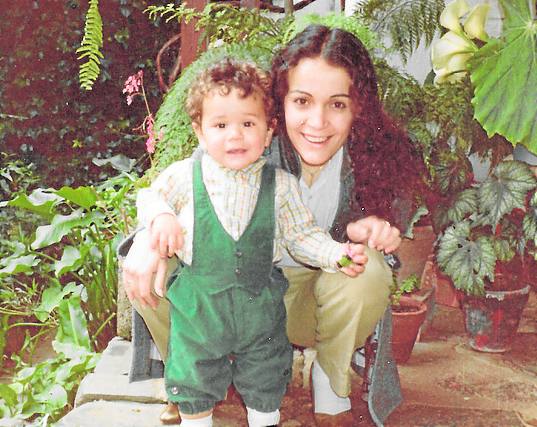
229	74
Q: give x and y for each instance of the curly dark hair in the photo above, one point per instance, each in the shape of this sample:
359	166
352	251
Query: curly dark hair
388	171
224	76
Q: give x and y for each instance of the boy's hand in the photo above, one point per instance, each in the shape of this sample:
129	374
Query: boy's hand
357	259
166	235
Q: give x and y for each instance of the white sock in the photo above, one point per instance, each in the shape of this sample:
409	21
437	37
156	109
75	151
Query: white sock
262	419
198	422
324	399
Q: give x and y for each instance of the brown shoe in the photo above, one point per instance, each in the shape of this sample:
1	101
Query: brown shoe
344	419
170	415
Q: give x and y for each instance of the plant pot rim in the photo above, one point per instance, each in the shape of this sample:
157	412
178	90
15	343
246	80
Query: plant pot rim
410	302
501	294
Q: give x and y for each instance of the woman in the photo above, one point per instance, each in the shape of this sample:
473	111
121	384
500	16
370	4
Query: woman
325	91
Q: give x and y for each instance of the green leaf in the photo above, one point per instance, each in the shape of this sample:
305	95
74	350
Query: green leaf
40	201
71	260
505	189
8	395
504	73
51	298
467	262
61	225
81	196
21	264
421	211
465	203
72	328
529	225
119	162
54	397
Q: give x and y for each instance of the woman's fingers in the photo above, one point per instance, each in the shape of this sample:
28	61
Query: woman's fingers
160	277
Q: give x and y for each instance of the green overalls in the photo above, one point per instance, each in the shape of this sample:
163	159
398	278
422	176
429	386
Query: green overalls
228	319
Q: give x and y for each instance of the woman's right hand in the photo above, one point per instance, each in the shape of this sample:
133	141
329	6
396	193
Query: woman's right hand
143	267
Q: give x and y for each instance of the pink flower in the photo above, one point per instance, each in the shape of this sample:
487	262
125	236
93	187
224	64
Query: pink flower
152	138
132	86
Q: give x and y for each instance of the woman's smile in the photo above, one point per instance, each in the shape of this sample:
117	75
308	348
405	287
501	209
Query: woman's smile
318	117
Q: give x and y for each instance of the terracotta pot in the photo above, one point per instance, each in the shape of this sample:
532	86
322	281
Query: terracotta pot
413	253
492	320
444	291
405	328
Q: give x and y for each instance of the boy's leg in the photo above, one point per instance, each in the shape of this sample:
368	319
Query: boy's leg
263	357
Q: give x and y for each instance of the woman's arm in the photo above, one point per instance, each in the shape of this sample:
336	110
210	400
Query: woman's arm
143	267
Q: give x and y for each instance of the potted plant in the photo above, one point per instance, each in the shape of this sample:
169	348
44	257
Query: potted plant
488	249
408	314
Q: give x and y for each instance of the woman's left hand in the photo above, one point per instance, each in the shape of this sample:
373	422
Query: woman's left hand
376	233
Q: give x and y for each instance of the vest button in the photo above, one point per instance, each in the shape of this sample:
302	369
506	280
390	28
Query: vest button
238	254
238	271
174	390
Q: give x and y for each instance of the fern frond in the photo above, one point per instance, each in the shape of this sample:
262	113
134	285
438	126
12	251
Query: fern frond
406	22
90	47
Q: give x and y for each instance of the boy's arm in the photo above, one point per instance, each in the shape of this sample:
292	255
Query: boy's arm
159	205
307	242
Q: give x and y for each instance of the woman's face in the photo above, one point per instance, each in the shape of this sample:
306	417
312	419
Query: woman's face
318	114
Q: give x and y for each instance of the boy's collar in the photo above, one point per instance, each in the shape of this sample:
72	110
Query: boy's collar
248	170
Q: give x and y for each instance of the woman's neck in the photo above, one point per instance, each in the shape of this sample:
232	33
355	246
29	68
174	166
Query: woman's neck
310	173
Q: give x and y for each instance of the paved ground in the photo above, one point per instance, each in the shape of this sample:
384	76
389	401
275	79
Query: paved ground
445	383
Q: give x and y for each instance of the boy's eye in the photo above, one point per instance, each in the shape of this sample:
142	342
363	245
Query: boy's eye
248	124
220	125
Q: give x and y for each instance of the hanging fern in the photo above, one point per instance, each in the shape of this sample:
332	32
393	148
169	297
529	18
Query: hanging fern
405	21
90	47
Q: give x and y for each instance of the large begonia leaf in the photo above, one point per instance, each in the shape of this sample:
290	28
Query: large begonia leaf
504	75
504	190
468	262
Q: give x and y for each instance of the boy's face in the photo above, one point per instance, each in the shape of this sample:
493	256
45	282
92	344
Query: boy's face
233	130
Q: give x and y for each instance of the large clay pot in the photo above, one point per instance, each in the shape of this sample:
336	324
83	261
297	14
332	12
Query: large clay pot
405	328
492	320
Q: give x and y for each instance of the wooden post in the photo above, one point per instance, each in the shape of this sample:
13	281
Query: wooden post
189	36
251	4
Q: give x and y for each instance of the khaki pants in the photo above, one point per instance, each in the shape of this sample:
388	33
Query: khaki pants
328	311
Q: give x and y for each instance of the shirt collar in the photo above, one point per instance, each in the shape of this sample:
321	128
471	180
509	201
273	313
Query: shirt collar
249	171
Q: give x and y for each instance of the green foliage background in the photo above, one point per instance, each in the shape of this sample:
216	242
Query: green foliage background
45	118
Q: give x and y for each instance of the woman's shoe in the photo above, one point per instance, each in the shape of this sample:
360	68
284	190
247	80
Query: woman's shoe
170	415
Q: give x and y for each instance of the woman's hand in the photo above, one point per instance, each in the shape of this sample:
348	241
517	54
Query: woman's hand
141	266
166	235
376	233
356	253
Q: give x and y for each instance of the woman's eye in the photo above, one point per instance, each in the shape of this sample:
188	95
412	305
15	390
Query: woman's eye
301	101
339	105
248	124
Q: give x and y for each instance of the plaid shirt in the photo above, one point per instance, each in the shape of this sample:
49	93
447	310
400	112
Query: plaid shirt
233	194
